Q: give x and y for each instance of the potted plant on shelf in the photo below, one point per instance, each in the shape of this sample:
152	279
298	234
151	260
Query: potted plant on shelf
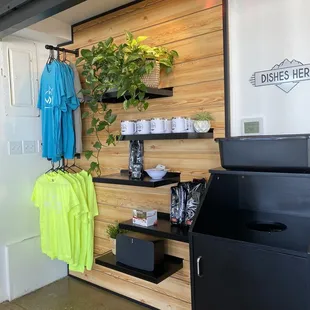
113	231
202	121
128	68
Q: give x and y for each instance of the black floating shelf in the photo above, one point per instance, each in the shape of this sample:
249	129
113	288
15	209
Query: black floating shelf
170	266
151	93
163	229
169	136
123	178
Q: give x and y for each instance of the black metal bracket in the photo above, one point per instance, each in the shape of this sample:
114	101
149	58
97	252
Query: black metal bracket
60	49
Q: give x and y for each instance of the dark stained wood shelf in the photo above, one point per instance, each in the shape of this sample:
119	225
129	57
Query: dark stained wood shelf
163	229
123	178
170	266
151	93
169	136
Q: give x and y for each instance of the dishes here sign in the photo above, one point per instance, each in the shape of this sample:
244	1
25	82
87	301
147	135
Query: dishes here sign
285	75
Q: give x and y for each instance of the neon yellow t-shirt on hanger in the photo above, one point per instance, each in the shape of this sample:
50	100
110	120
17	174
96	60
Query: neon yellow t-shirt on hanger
55	198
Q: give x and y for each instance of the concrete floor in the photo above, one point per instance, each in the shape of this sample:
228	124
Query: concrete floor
70	294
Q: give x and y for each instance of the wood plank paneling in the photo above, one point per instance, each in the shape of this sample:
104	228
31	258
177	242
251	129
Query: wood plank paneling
153	16
113	282
194	29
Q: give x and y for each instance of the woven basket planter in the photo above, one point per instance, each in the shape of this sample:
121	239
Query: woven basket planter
152	79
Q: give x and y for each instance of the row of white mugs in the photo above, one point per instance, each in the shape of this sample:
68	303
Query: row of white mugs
157	126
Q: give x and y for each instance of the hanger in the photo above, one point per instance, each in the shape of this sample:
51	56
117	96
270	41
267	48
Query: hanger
74	165
52	169
64	58
51	57
66	167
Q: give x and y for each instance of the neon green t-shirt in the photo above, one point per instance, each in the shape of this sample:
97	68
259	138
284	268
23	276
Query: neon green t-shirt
55	198
75	222
93	211
80	265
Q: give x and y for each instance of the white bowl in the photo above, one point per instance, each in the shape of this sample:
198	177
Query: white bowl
156	174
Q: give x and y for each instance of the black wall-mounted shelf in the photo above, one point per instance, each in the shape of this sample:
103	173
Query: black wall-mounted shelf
151	93
169	136
163	229
123	178
170	266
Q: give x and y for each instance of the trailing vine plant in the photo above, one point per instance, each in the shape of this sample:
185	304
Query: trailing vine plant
108	66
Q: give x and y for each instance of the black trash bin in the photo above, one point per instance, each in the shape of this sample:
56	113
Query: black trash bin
266	153
250	241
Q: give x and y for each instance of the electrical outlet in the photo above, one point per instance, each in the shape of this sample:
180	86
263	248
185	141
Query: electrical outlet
15	147
29	147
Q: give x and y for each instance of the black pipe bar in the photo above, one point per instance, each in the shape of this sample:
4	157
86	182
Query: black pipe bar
56	48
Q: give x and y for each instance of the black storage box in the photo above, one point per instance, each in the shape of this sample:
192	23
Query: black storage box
266	153
139	251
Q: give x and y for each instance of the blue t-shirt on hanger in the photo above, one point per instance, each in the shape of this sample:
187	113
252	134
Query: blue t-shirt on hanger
72	103
51	103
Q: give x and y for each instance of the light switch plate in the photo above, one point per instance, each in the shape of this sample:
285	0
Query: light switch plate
15	147
29	147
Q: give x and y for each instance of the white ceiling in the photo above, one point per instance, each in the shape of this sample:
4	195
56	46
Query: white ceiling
88	9
58	27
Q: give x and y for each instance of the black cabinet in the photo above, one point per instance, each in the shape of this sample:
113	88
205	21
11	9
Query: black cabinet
240	276
250	241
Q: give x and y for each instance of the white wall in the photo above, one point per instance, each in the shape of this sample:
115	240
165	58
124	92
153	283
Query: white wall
262	34
3	276
26	268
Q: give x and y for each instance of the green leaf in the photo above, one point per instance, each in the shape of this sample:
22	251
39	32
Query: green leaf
89	154
90	131
94	107
85	114
79	60
110	140
126	104
143	87
174	53
108	41
145	105
108	114
121	92
141	95
133	57
86	53
93	166
97	145
165	62
94	121
112	118
102	125
129	36
141	38
86	91
97	58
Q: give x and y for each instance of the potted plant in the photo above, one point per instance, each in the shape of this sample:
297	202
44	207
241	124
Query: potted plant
124	67
202	121
113	231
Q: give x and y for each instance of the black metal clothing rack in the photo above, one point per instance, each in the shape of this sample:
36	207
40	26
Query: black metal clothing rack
61	49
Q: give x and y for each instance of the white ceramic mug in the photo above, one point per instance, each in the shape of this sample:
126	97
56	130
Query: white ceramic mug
190	125
179	124
168	125
157	125
128	127
143	127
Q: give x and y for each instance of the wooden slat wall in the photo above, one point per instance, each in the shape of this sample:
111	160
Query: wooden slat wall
194	29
